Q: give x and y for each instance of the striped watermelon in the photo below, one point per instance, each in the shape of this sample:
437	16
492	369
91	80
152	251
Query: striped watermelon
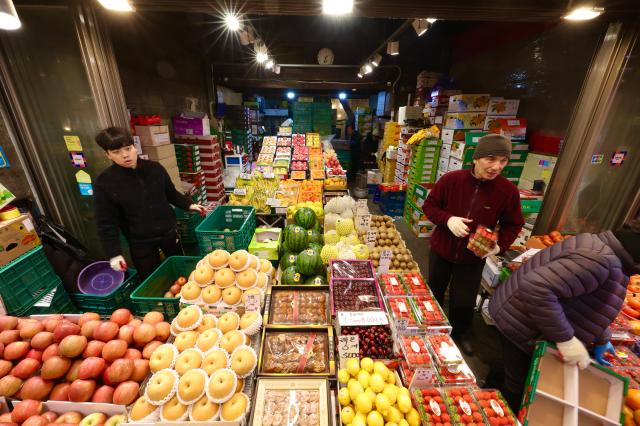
309	262
297	239
288	260
315	237
291	276
316	280
305	217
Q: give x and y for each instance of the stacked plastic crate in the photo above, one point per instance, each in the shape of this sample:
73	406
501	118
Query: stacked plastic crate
322	118
211	163
302	117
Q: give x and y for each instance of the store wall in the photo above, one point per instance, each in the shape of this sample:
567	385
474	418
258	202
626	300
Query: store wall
13	177
161	60
543	66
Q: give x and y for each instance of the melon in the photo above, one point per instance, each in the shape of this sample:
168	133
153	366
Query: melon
344	226
316	280
331	237
361	251
329	253
288	260
291	276
315	237
297	239
308	262
305	217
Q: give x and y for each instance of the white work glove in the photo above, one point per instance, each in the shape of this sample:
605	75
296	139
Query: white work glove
458	226
495	250
198	208
573	352
118	264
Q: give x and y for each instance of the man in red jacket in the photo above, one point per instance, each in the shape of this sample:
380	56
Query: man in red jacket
459	202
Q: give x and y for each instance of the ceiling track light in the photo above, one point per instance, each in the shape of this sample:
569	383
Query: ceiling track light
269	64
420	26
376	59
584	12
9	19
115	5
360	74
367	68
232	22
431	20
393	48
337	7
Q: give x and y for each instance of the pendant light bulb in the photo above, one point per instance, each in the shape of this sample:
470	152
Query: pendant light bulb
9	19
117	5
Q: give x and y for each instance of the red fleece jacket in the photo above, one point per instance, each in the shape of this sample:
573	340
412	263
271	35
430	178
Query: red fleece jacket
487	203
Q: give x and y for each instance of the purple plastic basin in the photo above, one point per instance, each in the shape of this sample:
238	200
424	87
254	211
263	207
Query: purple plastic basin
99	279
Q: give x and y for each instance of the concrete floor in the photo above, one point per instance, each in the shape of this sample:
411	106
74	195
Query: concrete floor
486	341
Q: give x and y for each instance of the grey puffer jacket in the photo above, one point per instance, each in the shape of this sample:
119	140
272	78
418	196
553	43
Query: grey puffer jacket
573	288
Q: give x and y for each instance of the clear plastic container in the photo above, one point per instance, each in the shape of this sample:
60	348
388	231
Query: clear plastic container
415	351
391	285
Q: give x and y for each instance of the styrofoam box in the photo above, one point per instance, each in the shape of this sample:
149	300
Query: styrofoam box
445	150
443	165
454	164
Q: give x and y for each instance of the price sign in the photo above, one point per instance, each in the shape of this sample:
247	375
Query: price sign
385	261
361	207
252	303
362	318
363	222
423	378
371	238
348	347
281	210
273	202
269	175
245	176
240	191
402	324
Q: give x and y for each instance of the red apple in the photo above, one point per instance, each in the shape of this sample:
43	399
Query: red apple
81	390
126	393
50	416
60	392
121	316
103	394
91	368
153	317
25	368
163	331
70	417
144	333
65	329
114	349
106	330
94	348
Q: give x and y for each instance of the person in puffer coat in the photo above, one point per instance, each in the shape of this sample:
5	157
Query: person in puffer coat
567	294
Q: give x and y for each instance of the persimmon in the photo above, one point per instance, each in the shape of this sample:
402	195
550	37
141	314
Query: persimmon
634	303
547	241
634	280
633	399
630	312
556	236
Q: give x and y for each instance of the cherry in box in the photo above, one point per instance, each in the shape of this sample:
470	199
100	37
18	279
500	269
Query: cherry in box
494	407
354	295
374	340
345	269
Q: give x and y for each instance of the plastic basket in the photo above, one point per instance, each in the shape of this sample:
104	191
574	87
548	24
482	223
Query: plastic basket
149	295
227	227
187	222
106	304
56	301
26	280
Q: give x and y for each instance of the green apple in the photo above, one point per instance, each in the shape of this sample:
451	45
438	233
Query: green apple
115	420
93	419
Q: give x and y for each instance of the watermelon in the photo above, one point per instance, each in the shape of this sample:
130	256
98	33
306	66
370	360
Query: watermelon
297	239
317	247
287	229
308	262
305	217
291	276
317	227
316	280
315	237
288	260
282	248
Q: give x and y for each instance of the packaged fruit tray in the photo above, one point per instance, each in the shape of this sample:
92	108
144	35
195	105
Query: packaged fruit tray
430	315
297	351
482	241
415	284
391	285
494	407
633	374
299	165
400	309
415	351
354	295
432	406
300	149
374	340
317	174
299	306
463	407
624	357
298	174
347	269
444	350
284	141
456	375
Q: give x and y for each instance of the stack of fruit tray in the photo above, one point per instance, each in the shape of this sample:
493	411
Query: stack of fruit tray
391	285
299	139
432	406
414	349
473	407
401	311
353	287
283	141
449	364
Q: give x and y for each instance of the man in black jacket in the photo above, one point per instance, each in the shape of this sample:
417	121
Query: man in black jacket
134	196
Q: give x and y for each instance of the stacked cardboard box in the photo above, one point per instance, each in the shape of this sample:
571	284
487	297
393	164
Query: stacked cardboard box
190	166
211	163
156	145
404	155
390	138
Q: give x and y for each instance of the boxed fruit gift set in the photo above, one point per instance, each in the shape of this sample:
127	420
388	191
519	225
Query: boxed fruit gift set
562	394
353	286
298	305
374	333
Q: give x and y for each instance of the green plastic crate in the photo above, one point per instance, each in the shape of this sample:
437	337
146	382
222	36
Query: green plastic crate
186	224
106	304
240	222
57	302
149	296
26	280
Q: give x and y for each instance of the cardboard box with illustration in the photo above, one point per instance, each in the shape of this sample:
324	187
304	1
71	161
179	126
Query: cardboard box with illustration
17	237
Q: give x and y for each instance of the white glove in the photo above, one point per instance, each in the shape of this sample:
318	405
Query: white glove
458	226
495	250
573	352
118	264
198	208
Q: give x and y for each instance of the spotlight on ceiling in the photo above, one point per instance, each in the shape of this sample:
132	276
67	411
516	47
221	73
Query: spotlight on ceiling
291	95
261	57
377	58
8	16
269	64
367	68
117	5
421	26
342	95
431	20
584	13
360	74
232	22
393	48
337	7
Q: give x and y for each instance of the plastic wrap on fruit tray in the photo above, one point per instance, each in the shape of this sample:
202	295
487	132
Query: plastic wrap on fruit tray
299	307
400	309
295	352
354	295
633	374
494	407
444	350
284	141
432	406
624	357
462	406
290	407
415	284
459	374
415	351
406	373
391	285
345	269
482	241
430	315
374	340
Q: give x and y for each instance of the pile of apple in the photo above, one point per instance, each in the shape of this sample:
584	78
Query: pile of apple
371	396
176	287
93	360
33	413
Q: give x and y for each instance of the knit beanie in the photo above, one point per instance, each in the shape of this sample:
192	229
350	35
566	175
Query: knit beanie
492	144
